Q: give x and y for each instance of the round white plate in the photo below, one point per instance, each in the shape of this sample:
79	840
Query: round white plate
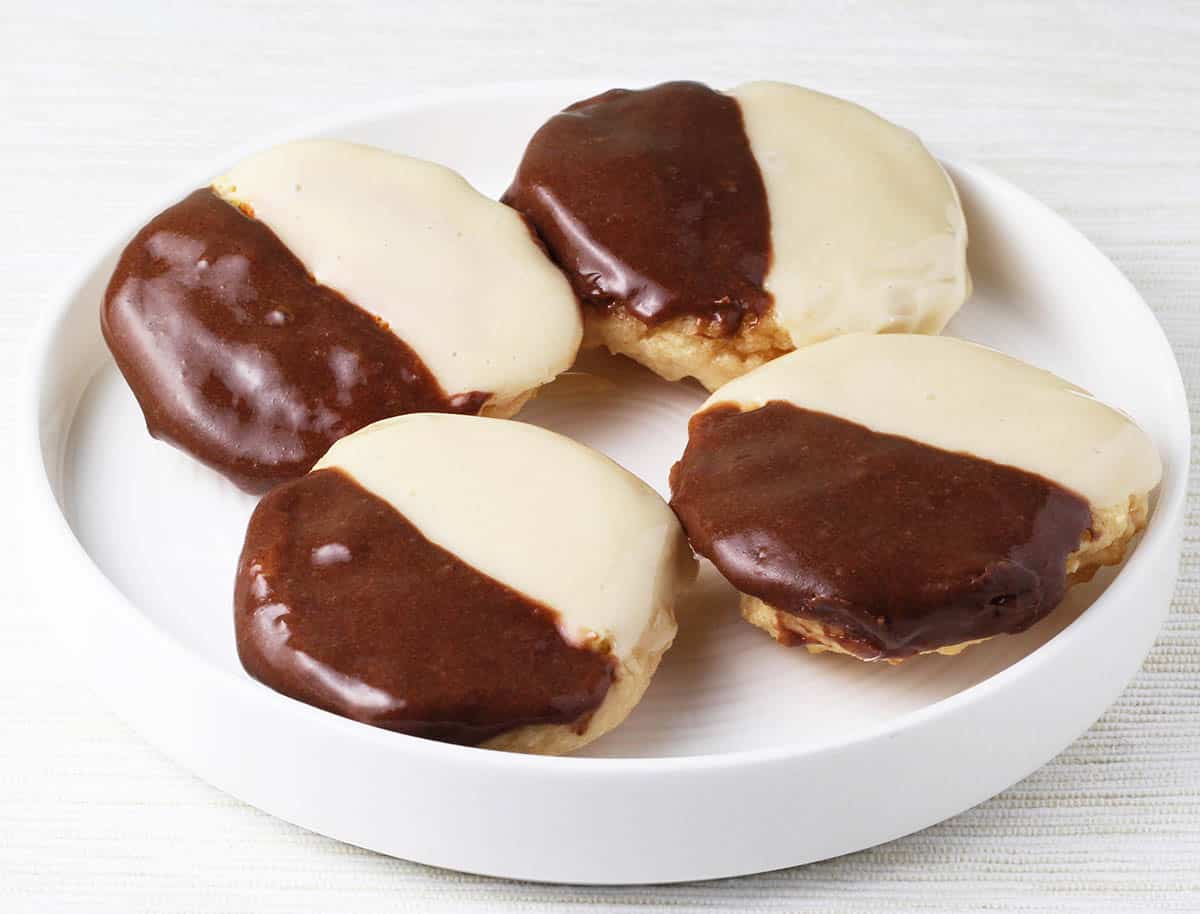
744	756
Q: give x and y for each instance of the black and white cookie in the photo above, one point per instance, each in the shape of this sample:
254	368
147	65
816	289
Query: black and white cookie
885	496
708	232
320	286
465	579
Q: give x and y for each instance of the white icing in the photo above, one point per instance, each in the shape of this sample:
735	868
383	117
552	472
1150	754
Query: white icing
545	515
456	276
959	396
866	229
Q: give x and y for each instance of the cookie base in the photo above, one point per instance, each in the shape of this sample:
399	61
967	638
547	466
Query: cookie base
678	348
506	409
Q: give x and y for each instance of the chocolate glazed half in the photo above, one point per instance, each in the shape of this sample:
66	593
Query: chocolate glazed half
894	546
237	356
342	603
652	203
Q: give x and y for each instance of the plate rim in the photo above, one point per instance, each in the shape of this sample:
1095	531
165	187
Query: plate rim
42	502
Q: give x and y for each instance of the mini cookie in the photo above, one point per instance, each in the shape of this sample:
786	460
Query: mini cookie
707	232
463	579
884	496
321	286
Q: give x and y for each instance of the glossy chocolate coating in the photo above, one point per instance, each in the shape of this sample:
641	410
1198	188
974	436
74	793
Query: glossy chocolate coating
652	202
342	603
240	358
895	546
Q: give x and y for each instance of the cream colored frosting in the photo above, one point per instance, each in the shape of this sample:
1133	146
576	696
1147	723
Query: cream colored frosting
959	396
455	275
867	233
545	515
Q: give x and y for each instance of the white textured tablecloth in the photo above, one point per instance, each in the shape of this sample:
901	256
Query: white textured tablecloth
1093	108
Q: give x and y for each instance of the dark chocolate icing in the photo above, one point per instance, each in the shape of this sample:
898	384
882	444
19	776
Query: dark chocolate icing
897	546
651	201
240	358
341	602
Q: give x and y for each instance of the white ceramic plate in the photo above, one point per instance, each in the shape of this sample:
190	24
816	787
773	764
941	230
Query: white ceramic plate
744	756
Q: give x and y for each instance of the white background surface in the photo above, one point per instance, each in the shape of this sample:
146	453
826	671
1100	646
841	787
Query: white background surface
1093	108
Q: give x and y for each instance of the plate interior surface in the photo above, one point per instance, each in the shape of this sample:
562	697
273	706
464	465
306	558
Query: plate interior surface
167	532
